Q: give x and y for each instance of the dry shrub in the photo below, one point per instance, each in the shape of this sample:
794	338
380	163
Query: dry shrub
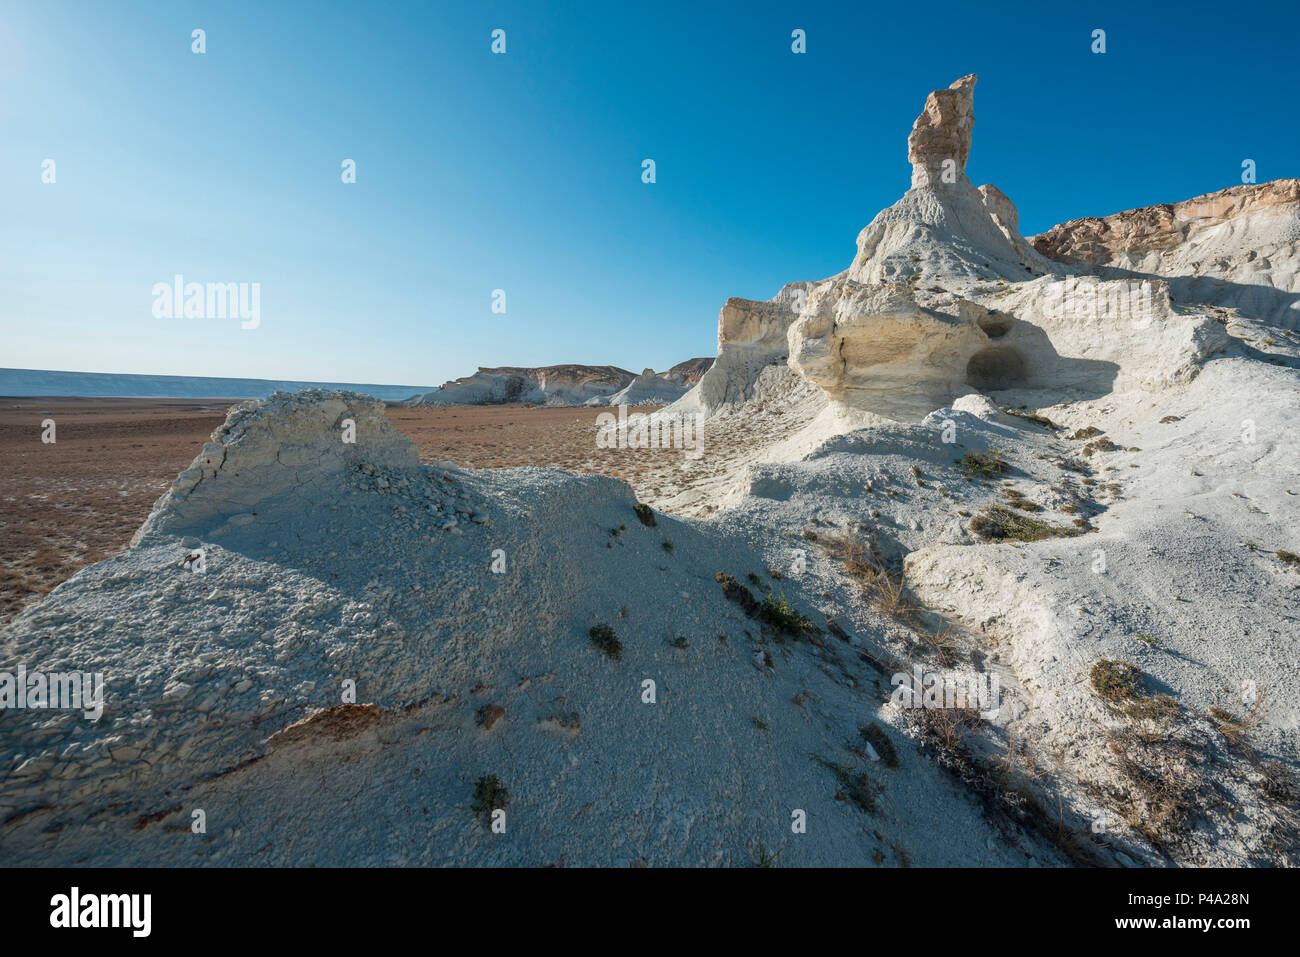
882	585
1161	783
1235	727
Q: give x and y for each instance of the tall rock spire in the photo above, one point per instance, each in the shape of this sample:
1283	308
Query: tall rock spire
942	133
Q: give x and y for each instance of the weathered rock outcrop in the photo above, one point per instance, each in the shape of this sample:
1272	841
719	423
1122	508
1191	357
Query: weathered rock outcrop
1006	217
1237	248
944	229
649	388
751	338
269	447
876	347
566	385
550	385
688	372
945	296
1128	238
941	136
230	690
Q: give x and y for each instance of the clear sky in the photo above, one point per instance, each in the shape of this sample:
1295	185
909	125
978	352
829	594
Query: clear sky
523	171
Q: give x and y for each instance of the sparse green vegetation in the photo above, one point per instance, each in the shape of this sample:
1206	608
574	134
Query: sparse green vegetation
1102	444
765	858
1235	727
1016	499
1279	783
1290	558
785	618
645	514
1116	681
489	795
735	591
988	464
1164	783
603	637
1158	707
1033	417
1000	524
1121	685
668	546
1089	432
885	588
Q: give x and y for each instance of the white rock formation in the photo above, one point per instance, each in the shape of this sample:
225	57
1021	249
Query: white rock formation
649	388
875	346
567	385
1238	248
287	444
1143	512
1167	336
945	296
545	385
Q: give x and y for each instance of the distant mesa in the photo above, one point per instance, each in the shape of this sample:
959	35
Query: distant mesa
567	385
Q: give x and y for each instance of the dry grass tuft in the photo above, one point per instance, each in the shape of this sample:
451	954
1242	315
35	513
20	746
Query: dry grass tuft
1161	783
1235	727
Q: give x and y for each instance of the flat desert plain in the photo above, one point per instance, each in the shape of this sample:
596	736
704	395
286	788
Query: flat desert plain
71	503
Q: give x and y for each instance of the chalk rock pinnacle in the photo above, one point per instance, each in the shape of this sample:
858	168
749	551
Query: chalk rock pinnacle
941	135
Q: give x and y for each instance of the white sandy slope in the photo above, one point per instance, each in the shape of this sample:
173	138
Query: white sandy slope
1190	590
328	562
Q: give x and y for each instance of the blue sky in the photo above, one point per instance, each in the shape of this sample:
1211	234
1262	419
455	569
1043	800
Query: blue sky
523	171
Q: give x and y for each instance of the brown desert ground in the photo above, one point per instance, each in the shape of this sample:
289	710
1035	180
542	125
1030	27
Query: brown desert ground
74	502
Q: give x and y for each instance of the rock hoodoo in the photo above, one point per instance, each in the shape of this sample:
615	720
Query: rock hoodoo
942	134
945	297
